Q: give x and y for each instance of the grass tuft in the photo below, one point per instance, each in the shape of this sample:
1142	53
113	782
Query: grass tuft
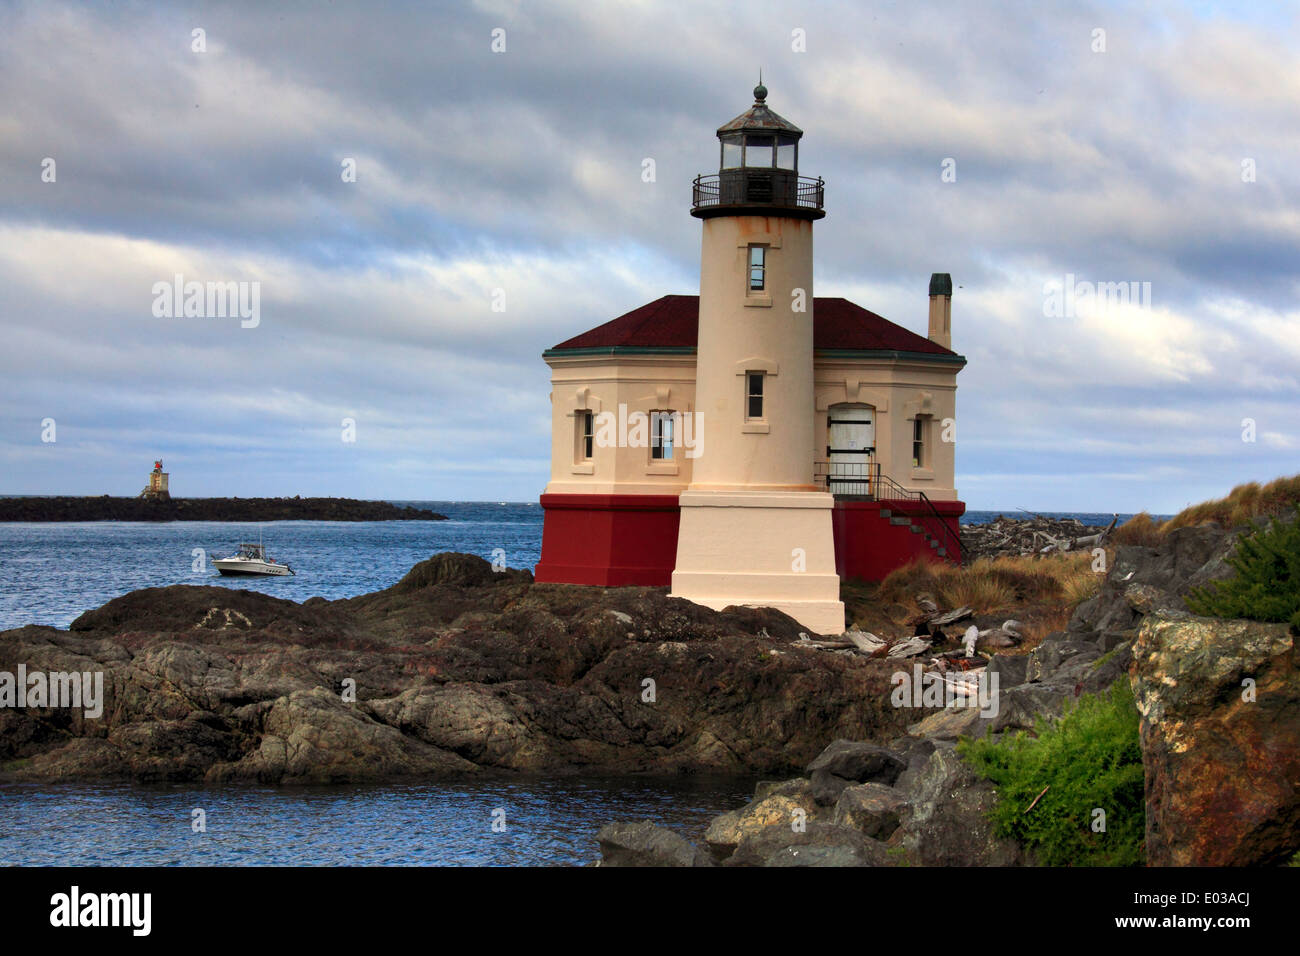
992	584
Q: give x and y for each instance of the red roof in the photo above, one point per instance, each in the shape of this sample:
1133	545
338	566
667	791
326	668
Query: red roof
673	322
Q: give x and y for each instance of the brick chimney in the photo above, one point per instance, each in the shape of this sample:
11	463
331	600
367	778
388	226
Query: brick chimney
941	309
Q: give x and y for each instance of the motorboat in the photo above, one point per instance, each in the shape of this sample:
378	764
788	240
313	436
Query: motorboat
251	559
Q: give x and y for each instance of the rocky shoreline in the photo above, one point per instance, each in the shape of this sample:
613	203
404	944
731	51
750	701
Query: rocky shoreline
106	508
456	669
460	669
1219	764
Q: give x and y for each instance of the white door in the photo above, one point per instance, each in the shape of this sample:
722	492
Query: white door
851	449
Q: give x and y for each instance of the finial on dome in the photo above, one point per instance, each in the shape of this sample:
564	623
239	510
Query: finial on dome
760	91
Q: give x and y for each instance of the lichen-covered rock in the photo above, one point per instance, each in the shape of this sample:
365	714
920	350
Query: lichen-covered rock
1221	767
728	829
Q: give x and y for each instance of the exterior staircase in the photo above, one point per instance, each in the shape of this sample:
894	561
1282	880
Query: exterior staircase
917	525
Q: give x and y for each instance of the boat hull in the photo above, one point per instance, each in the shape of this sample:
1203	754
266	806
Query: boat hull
251	569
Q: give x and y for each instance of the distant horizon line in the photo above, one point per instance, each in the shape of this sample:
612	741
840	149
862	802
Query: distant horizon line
497	501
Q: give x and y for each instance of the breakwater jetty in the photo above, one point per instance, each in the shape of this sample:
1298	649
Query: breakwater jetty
108	508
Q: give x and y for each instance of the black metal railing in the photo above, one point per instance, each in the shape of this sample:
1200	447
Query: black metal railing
758	187
932	521
848	479
864	480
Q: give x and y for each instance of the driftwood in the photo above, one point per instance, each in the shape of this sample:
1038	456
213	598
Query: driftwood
950	617
908	647
822	645
1096	540
865	641
1026	536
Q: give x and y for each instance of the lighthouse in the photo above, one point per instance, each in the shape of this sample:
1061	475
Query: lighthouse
755	528
752	445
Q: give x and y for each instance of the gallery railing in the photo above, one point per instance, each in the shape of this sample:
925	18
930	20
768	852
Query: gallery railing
758	187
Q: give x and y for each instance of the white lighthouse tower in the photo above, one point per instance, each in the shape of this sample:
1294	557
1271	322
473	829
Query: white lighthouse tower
754	528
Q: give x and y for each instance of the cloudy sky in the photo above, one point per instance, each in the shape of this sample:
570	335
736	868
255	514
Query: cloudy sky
1156	143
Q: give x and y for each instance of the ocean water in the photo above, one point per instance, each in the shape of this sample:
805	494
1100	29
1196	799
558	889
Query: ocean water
547	821
51	573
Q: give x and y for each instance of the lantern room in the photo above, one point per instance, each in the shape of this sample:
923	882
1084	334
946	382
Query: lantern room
758	166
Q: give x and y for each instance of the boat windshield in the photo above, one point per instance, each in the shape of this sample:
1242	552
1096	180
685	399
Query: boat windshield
253	551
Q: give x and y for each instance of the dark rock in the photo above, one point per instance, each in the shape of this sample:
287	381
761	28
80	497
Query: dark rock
946	821
466	570
827	787
1019	707
1010	668
1077	667
1109	640
859	762
837	856
870	808
913	750
104	508
1110	667
1144	580
834	846
456	668
1046	659
646	844
916	751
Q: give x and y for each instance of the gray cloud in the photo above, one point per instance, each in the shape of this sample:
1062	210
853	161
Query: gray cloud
522	171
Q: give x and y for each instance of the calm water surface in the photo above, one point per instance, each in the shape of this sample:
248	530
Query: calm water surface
51	573
547	821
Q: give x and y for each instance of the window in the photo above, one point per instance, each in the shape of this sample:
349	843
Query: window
757	268
661	435
918	441
758	150
585	420
754	396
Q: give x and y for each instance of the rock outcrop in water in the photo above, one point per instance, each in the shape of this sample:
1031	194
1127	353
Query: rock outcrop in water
105	508
457	669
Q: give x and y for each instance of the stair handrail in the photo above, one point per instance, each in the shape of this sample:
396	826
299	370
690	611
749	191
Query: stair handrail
921	496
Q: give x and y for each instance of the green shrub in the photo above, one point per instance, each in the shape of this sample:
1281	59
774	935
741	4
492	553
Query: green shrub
1090	758
1266	586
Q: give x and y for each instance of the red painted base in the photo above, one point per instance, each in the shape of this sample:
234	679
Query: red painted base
609	540
868	545
619	540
